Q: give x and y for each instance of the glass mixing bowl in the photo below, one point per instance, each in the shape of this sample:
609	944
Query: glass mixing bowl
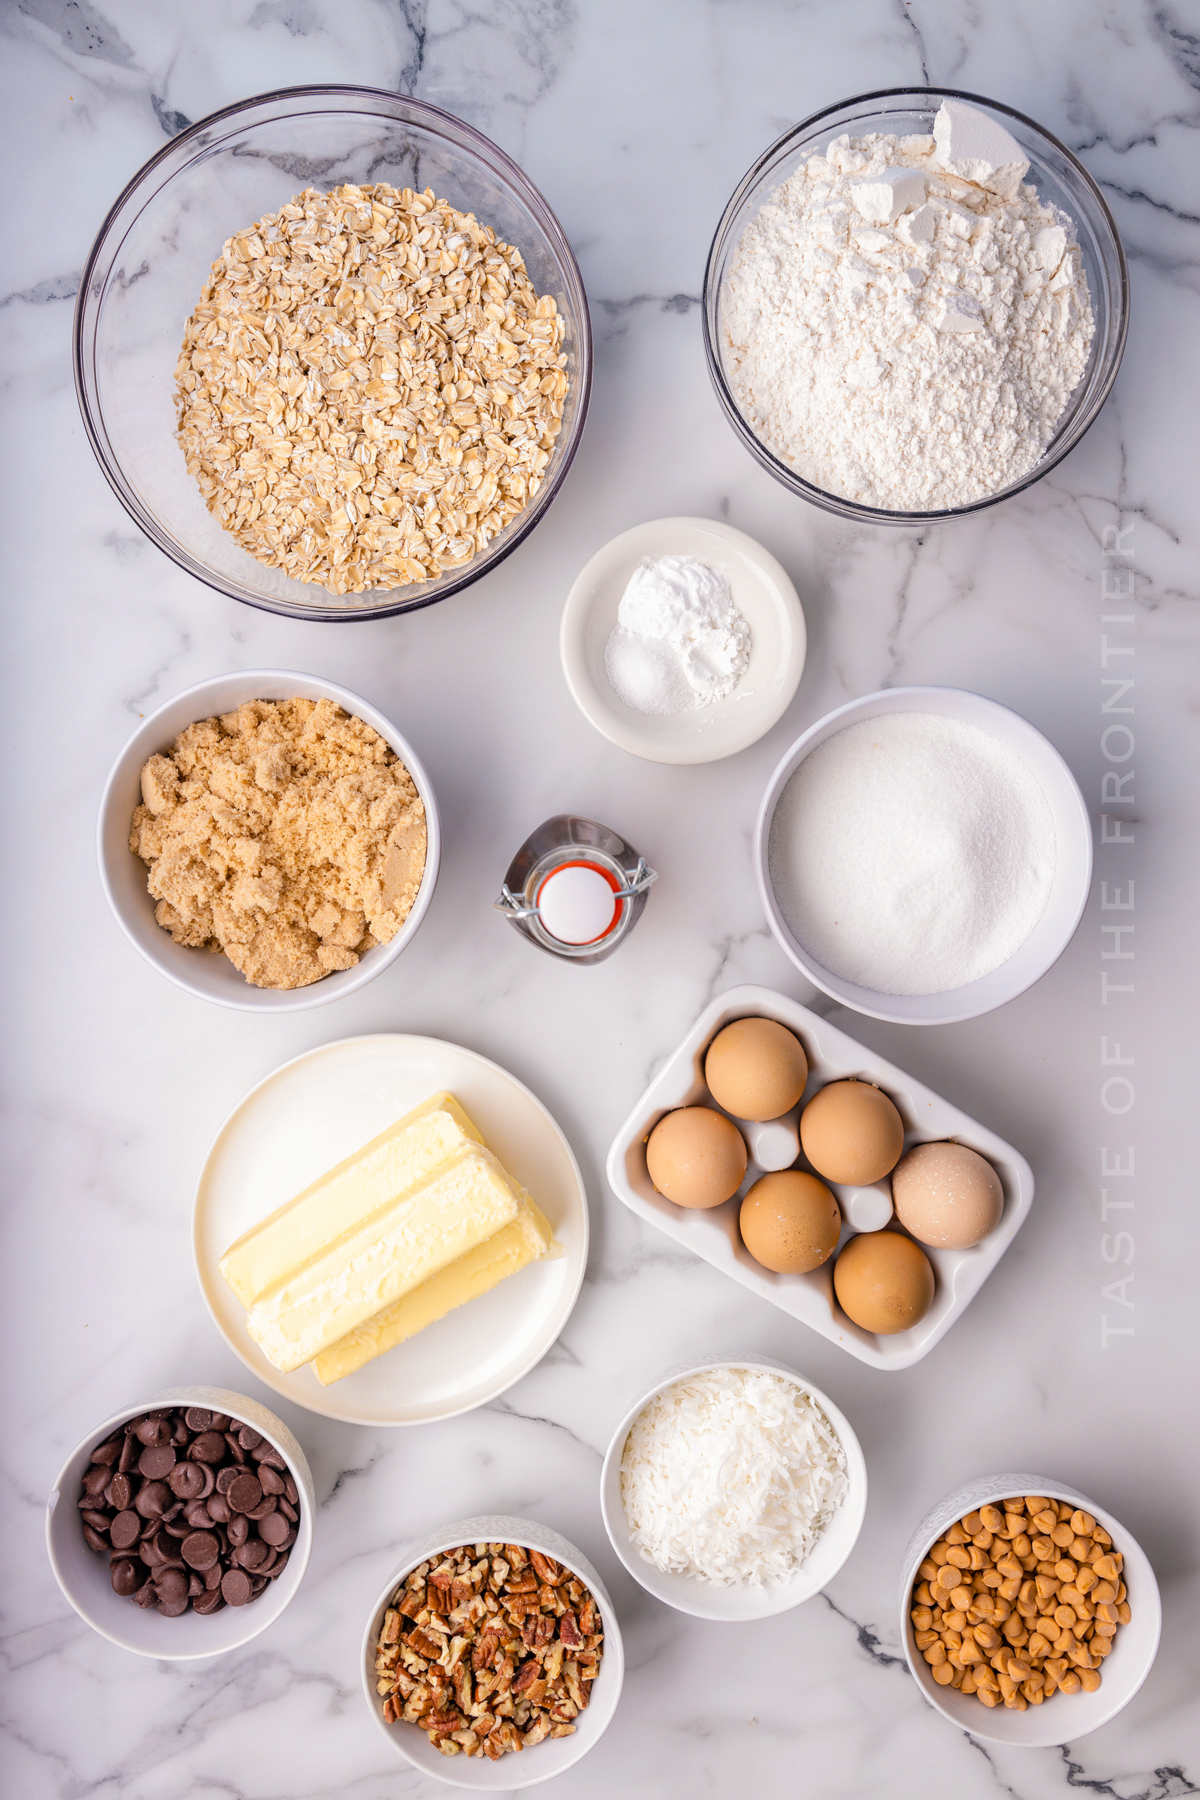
1060	179
152	258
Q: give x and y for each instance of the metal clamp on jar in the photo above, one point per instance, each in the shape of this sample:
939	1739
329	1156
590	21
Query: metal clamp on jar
575	888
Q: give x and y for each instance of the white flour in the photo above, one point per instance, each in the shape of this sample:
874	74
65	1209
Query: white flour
912	853
679	641
897	331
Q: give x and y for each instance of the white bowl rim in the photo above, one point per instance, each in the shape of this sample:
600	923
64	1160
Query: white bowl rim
984	1492
625	733
958	1003
278	1435
300	999
782	1599
486	1528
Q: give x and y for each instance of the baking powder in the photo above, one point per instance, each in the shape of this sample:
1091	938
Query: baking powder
679	641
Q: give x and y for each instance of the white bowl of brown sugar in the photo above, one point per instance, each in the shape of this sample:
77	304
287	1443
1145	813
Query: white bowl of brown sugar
269	841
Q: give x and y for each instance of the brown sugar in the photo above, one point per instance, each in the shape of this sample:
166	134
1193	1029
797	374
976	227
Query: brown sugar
286	835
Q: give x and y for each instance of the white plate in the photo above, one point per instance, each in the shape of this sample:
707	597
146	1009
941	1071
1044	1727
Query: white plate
714	1235
320	1108
762	591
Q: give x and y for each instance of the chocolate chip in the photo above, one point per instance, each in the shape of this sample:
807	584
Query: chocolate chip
125	1577
235	1587
244	1494
209	1447
156	1462
273	1529
186	1480
153	1499
200	1549
185	1518
125	1530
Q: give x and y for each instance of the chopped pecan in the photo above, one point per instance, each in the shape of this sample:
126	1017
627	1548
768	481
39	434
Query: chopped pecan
391	1627
569	1632
587	1615
562	1731
411	1602
419	1640
537	1731
546	1568
516	1556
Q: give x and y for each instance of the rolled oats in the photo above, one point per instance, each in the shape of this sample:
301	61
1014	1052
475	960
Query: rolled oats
490	1648
369	388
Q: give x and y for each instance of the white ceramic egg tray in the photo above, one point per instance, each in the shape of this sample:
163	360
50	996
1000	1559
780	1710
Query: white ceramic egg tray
714	1235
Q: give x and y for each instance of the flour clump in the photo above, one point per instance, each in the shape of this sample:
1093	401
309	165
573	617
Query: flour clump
905	321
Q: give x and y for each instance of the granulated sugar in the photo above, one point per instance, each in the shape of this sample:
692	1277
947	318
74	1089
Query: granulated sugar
912	853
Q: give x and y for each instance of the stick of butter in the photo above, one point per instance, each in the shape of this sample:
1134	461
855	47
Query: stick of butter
458	1205
528	1239
344	1197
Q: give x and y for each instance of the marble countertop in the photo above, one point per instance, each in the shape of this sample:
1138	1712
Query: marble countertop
636	118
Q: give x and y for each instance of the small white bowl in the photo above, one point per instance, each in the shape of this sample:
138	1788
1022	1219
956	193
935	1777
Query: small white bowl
704	1599
83	1575
1072	871
123	875
762	591
1064	1717
553	1755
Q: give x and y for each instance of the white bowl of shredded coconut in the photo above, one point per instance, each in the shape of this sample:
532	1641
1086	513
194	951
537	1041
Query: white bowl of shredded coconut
733	1489
915	304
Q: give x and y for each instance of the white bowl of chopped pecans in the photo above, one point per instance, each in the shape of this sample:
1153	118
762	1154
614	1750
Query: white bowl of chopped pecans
1031	1553
493	1636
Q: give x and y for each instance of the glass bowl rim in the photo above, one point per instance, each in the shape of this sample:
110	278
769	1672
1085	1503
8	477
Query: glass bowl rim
515	177
839	503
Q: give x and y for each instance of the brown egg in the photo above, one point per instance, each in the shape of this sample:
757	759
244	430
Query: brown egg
947	1195
851	1132
790	1222
756	1069
883	1281
696	1157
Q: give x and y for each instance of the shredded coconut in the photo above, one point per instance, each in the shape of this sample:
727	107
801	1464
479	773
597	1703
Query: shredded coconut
679	640
912	853
906	320
731	1476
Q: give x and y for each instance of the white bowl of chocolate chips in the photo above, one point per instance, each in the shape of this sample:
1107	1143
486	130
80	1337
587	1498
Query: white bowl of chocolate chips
182	1526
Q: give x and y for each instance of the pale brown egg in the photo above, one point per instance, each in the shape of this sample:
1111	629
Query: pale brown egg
883	1281
851	1132
696	1157
756	1069
790	1222
947	1195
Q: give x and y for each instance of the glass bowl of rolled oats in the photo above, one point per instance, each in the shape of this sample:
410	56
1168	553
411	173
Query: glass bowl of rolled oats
493	1636
333	353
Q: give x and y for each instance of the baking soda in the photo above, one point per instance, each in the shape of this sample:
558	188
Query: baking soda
679	641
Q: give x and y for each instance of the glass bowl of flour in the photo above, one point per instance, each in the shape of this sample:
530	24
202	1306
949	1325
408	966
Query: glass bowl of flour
923	855
915	305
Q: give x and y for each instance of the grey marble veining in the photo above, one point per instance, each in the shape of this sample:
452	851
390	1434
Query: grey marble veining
636	118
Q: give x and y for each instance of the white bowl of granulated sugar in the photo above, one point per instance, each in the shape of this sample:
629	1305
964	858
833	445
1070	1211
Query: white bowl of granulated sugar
923	854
